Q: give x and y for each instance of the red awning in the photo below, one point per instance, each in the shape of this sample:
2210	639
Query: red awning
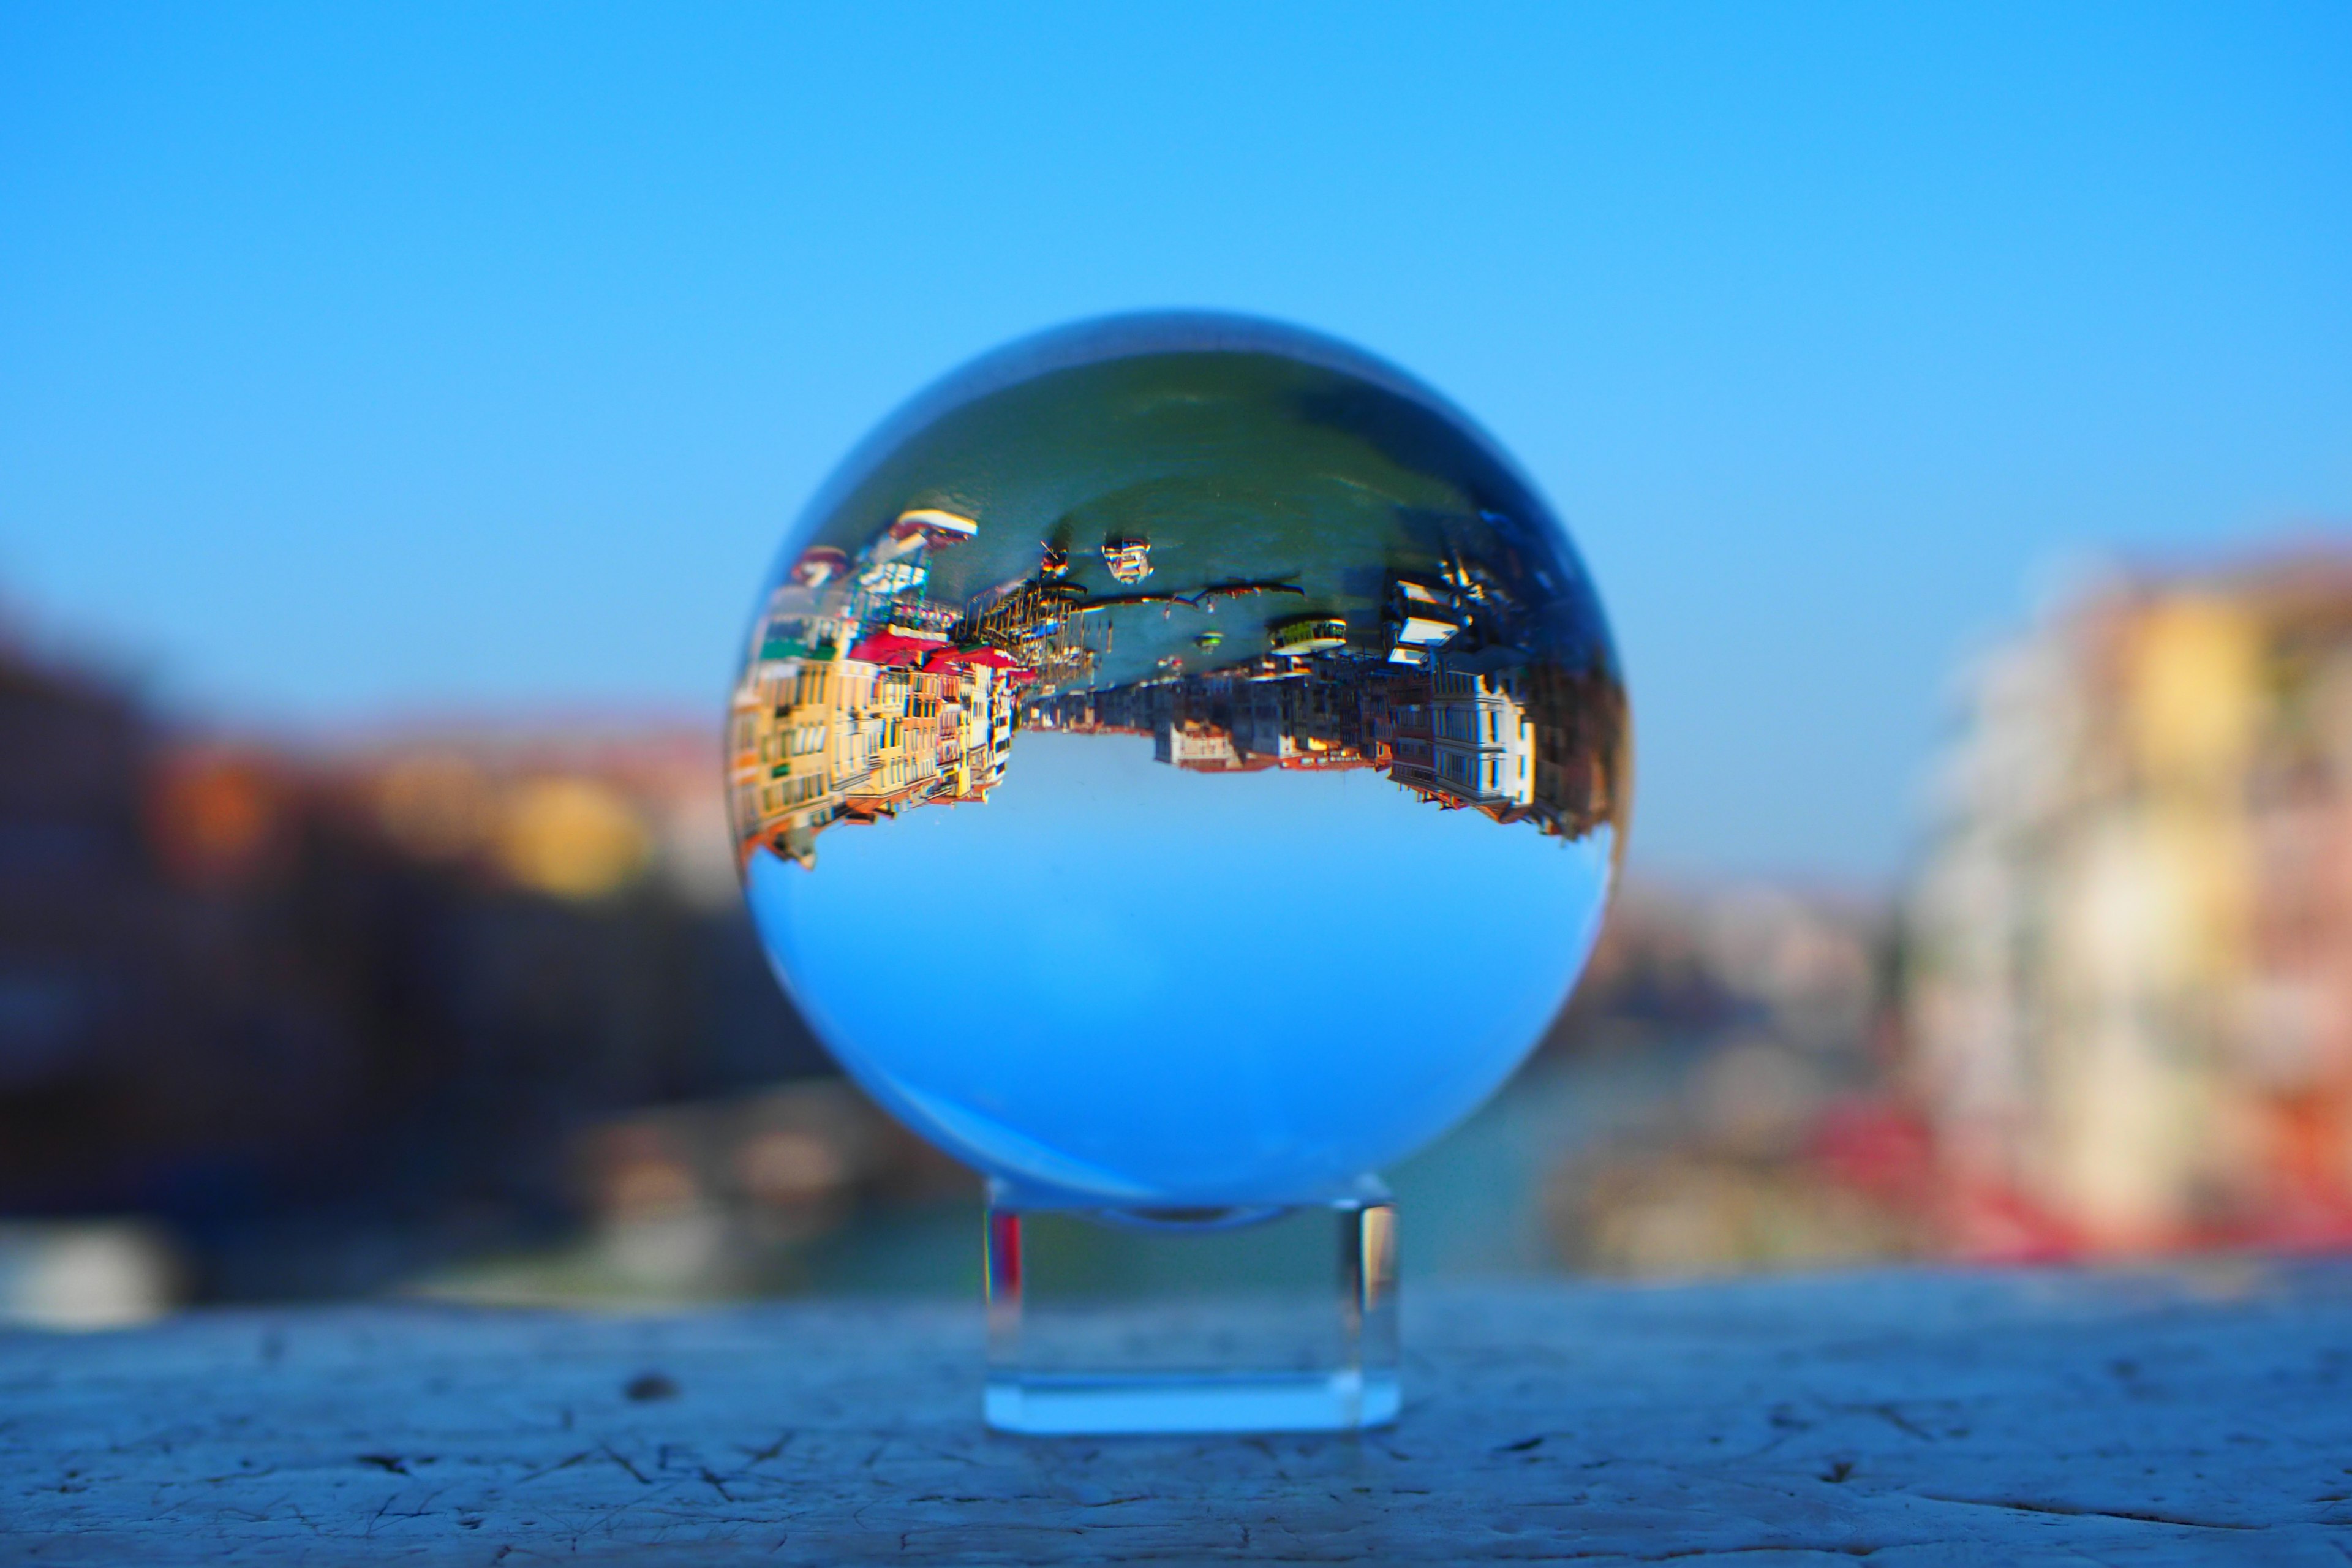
890	648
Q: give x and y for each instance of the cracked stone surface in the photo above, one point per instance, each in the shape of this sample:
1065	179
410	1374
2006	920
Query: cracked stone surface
1908	1418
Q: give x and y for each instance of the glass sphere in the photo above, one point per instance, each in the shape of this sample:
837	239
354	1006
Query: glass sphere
1178	762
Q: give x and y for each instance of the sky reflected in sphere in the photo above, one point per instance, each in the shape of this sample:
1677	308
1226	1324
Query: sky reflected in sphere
1178	761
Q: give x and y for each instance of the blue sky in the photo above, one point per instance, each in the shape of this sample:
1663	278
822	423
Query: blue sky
358	360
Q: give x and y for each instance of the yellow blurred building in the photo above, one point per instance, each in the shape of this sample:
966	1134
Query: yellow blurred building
2131	986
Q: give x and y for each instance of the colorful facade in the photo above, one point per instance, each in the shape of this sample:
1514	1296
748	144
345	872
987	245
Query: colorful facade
860	699
2131	997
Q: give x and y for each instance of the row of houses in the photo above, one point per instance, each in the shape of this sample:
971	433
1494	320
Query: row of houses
860	699
815	741
1514	740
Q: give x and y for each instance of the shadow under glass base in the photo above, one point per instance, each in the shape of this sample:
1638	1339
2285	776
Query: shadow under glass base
1270	1320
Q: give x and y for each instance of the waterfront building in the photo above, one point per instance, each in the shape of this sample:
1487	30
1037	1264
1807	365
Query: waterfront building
1197	745
1421	619
1469	742
1579	722
2131	989
785	755
1262	725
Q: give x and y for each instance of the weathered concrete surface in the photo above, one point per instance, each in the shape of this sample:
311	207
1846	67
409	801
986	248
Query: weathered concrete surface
1908	1419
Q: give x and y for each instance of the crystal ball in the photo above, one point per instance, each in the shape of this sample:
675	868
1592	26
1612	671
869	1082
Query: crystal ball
1179	761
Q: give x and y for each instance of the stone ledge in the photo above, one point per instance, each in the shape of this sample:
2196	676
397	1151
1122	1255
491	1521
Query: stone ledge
1912	1418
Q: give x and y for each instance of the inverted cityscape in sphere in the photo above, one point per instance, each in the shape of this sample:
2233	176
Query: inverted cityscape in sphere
1178	761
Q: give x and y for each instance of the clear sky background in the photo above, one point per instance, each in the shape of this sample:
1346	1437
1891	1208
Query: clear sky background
365	361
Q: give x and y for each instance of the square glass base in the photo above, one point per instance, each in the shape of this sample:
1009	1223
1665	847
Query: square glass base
1192	1320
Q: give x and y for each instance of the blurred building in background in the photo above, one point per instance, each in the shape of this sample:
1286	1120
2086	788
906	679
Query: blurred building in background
2131	1004
327	1015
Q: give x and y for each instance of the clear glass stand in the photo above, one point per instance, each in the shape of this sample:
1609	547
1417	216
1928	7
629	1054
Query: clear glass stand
1259	1320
